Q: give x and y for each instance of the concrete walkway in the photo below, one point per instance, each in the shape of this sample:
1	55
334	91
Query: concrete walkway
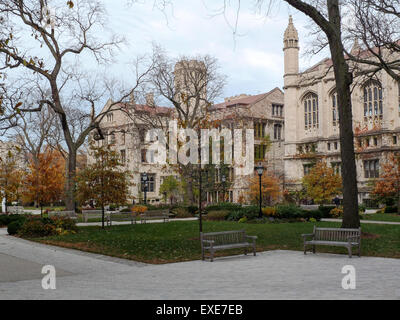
362	221
116	223
269	275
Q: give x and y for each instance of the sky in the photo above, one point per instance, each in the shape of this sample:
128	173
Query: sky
252	59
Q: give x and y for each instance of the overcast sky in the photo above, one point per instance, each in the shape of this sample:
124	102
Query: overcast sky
252	60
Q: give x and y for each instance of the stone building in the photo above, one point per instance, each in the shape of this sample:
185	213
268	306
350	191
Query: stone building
311	117
125	131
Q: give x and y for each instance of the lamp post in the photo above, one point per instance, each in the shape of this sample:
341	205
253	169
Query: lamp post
223	179
260	170
145	182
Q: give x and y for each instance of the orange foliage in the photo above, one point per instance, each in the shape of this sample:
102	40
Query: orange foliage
270	190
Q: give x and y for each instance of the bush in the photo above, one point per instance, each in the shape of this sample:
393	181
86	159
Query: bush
289	212
250	212
14	227
336	213
5	219
43	227
391	209
325	210
216	215
126	210
242	220
362	207
269	211
223	206
193	209
181	212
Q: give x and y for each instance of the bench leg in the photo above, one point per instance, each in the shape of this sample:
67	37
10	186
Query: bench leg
202	254
245	251
349	249
254	250
359	250
211	255
305	249
313	249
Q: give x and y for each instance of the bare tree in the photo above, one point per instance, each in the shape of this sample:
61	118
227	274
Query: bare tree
60	33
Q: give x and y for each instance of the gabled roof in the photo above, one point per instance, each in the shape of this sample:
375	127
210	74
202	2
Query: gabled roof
246	101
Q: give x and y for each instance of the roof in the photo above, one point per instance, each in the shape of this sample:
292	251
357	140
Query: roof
246	101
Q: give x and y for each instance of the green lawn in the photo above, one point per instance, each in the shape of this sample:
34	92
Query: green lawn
382	217
179	240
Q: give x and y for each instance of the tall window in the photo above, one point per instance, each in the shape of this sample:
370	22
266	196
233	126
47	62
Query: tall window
259	130
335	111
277	110
259	151
307	167
310	111
373	99
151	178
277	131
110	117
371	169
337	167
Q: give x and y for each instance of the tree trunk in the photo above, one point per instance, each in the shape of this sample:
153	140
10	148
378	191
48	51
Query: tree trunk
71	174
344	79
102	216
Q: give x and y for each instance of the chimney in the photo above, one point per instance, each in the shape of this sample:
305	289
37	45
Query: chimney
150	99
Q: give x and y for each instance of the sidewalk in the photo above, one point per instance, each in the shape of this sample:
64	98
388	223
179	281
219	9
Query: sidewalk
361	221
116	223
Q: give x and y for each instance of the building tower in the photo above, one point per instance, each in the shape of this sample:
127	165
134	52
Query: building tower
292	113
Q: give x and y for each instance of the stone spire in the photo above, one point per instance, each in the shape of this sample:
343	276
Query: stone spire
291	37
355	50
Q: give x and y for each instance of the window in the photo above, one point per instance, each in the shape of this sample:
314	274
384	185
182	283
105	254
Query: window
142	134
277	131
151	178
123	136
337	167
375	141
123	156
335	111
367	142
336	145
111	138
371	169
259	130
259	152
394	139
143	155
277	110
373	99
110	117
329	146
307	167
310	111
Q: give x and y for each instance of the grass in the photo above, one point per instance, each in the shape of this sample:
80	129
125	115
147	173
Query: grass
382	217
179	241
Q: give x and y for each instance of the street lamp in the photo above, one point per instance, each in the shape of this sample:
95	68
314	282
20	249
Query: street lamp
223	179
144	179
260	170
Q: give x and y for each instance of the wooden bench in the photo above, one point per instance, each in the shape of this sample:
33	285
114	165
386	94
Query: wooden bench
214	241
120	216
69	214
86	214
155	214
334	237
15	210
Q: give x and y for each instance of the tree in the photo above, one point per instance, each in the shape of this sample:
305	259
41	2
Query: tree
322	183
11	176
104	181
270	189
170	188
45	180
388	184
61	32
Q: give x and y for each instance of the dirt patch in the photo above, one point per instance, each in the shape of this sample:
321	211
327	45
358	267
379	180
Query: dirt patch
366	235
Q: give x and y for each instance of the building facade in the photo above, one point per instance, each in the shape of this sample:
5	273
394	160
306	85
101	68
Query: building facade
312	120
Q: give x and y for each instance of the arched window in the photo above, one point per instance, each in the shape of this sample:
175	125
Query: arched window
373	99
310	111
335	110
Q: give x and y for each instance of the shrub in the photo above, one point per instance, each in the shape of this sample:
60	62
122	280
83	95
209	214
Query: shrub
43	227
5	219
223	206
362	207
193	209
269	211
216	215
336	212
138	209
289	212
181	212
14	227
242	220
391	209
325	210
126	210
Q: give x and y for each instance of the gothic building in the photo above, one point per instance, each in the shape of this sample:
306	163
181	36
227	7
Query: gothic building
312	121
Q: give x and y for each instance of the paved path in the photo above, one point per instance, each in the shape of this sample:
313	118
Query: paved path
361	221
87	224
270	275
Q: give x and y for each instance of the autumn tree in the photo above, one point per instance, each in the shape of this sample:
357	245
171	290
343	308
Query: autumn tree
270	189
45	180
11	176
388	184
104	181
322	183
